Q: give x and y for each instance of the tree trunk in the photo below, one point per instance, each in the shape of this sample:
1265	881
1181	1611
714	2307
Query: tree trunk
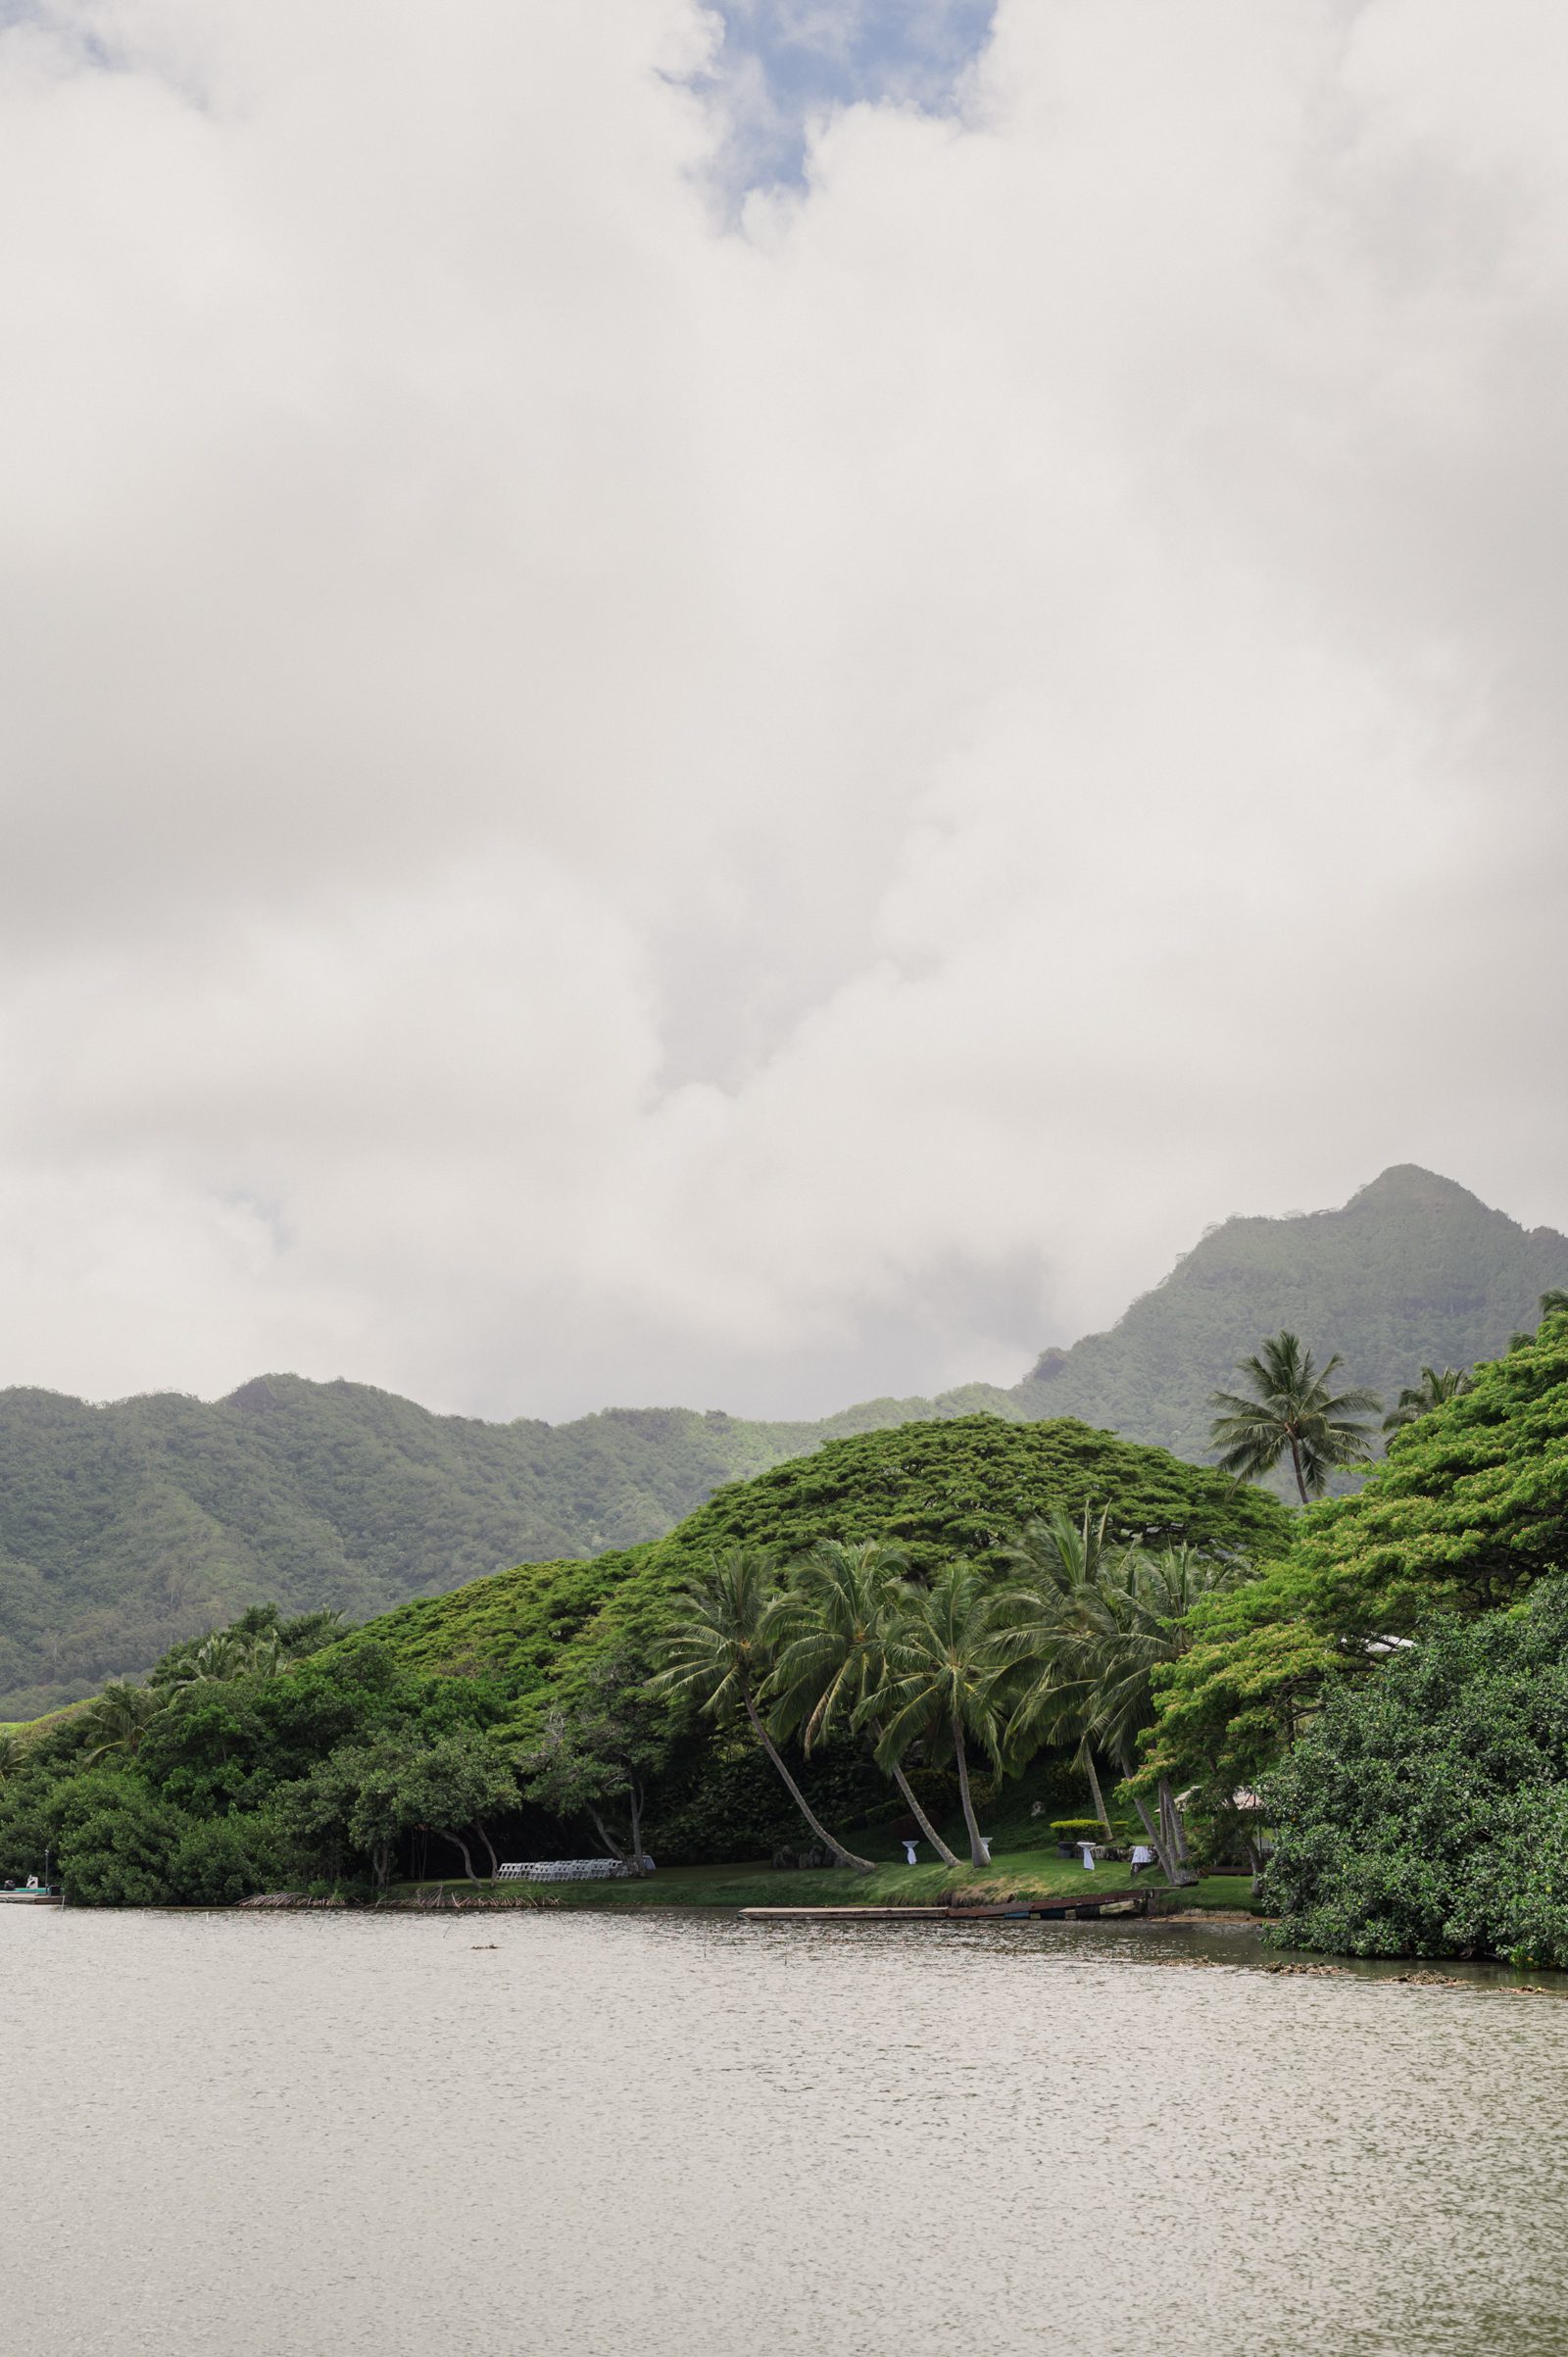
604	1832
979	1855
634	1802
494	1862
948	1856
846	1856
1171	1816
458	1843
1254	1851
1174	1868
1296	1462
1094	1786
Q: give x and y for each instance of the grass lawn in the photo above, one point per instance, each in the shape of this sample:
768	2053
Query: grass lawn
1021	1874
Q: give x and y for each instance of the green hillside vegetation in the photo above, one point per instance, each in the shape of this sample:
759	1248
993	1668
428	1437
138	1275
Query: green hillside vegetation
243	1764
935	1490
128	1527
1364	1698
1393	1685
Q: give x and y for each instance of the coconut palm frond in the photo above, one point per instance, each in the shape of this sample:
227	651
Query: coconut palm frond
1419	1400
1292	1411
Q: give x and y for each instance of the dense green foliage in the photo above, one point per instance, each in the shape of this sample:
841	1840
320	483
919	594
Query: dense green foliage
411	1734
128	1527
935	1490
1425	1813
1468	1509
235	1782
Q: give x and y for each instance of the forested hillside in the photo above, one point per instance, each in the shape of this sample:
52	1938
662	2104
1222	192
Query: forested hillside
1413	1271
248	1772
959	1486
124	1528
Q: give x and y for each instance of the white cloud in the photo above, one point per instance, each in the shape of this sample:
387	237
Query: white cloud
600	807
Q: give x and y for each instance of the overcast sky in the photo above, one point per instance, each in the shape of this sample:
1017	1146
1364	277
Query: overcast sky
741	712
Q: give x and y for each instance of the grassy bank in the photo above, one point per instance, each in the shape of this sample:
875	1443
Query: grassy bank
1025	1875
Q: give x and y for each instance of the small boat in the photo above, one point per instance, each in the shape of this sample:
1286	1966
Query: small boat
31	1894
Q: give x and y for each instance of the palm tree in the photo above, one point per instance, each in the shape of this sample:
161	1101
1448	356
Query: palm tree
120	1717
1053	1559
1292	1412
1077	1650
217	1659
1142	1625
719	1652
942	1679
829	1627
1554	1302
1419	1400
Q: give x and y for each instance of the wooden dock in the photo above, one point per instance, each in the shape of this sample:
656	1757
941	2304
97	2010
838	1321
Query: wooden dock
1055	1909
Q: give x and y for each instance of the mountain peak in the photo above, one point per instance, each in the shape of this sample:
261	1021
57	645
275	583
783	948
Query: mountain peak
1407	1187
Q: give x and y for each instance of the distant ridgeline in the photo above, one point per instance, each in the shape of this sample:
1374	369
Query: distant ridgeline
125	1528
1413	1272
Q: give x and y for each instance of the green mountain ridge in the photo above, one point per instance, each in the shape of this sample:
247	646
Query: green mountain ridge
127	1527
1414	1270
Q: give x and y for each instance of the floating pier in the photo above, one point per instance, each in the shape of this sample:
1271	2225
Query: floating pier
1056	1909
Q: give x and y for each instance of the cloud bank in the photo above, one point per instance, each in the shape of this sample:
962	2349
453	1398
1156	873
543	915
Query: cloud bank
615	795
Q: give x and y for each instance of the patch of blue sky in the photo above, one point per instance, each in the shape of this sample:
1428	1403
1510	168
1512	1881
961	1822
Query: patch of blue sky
781	65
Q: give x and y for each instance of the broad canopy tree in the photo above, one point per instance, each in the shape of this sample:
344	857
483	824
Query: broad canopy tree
600	1752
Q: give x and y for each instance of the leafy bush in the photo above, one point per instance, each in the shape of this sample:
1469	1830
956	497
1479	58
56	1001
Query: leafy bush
1425	1813
115	1840
218	1859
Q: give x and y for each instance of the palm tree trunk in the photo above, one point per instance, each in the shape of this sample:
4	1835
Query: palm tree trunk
1173	1867
1094	1787
846	1856
1296	1462
978	1853
1171	1819
948	1856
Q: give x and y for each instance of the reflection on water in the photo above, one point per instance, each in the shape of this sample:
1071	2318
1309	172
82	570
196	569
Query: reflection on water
235	2135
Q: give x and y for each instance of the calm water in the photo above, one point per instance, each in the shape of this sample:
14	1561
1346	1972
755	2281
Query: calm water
289	2137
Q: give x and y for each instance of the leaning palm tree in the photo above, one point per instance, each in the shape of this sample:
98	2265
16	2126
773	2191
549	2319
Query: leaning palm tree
1419	1400
1292	1412
829	1627
942	1680
1141	1626
1053	1559
120	1717
719	1652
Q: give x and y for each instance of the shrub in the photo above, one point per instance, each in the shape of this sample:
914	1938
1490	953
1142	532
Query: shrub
116	1842
1425	1813
218	1859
